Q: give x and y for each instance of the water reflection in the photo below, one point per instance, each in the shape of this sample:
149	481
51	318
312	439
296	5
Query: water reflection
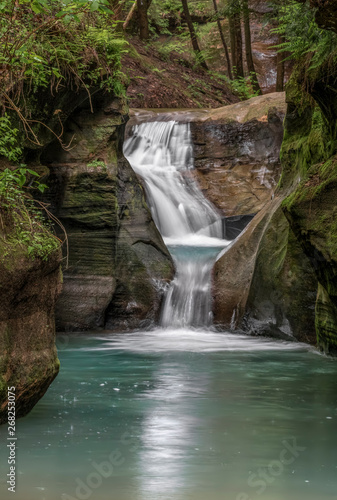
193	414
164	429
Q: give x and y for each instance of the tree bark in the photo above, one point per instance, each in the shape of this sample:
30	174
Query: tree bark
280	69
130	15
248	47
194	39
232	42
236	39
238	34
229	69
143	19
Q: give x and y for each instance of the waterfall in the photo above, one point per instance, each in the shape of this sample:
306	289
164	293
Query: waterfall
162	154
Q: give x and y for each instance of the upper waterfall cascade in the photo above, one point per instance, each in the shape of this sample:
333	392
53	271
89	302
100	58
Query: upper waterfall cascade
162	154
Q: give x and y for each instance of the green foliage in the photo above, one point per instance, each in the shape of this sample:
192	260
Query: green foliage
19	213
171	46
38	243
47	44
242	87
163	15
8	140
12	183
97	164
208	37
303	38
166	18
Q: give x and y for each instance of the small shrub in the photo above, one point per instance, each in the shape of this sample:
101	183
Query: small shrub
21	222
97	164
8	140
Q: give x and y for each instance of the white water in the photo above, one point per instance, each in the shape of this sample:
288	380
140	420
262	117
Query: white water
162	154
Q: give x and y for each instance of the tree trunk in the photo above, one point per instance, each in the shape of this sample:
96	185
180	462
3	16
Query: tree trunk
143	19
130	15
236	38
229	70
238	34
232	42
248	44
280	69
194	39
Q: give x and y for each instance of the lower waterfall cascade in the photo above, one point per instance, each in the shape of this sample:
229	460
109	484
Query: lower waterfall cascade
162	154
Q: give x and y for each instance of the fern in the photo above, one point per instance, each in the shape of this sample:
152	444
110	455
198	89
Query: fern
303	37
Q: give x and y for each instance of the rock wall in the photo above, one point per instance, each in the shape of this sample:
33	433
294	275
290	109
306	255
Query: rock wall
233	271
309	154
28	357
311	212
236	153
118	263
264	284
309	166
282	294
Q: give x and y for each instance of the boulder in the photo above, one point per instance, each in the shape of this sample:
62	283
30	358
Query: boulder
236	151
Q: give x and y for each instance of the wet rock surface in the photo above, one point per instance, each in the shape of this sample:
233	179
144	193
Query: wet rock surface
28	356
233	271
236	150
263	282
284	286
118	262
237	162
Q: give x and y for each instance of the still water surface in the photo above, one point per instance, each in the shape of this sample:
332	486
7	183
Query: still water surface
181	415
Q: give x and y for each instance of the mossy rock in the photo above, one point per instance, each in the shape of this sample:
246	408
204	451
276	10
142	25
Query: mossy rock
326	322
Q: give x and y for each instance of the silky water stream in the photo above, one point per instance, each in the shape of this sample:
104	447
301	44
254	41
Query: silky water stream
162	154
181	412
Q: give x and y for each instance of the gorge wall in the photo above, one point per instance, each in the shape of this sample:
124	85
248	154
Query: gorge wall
309	154
118	263
28	358
290	288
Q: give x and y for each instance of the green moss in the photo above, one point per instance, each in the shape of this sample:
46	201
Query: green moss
326	322
39	372
309	164
303	145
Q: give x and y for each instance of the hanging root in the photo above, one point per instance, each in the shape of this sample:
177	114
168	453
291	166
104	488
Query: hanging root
59	223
